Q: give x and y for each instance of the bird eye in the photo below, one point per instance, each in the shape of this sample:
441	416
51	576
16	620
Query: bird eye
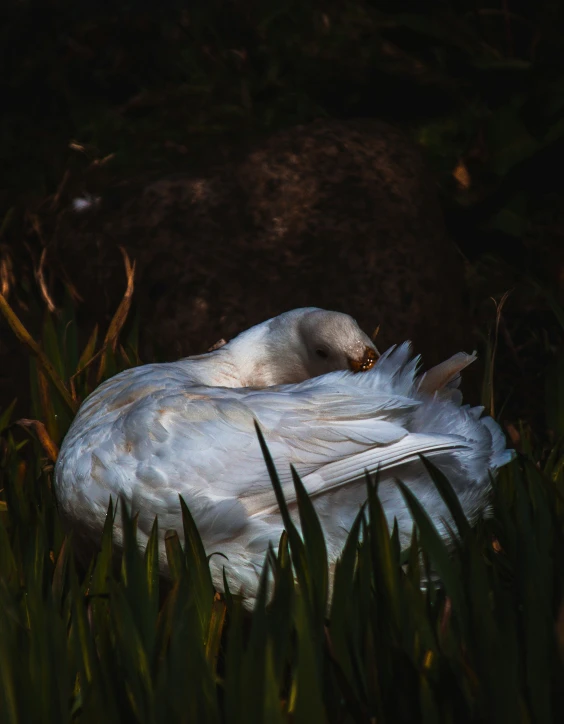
322	353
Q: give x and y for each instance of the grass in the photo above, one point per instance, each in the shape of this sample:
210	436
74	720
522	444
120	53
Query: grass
117	643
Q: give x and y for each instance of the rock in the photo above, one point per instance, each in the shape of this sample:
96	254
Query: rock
336	214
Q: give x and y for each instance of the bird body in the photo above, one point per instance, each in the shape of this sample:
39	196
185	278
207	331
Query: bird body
187	428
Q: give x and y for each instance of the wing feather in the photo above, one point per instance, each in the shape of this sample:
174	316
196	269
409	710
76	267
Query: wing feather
160	437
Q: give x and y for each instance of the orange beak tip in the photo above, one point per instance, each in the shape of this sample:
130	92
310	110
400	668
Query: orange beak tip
367	362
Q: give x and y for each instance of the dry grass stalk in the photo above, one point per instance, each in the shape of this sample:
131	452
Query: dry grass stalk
45	439
23	335
120	316
499	309
40	276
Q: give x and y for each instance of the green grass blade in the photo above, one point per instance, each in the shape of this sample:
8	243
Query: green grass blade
103	568
272	712
309	700
385	565
198	567
213	642
175	556
450	498
281	609
314	547
152	575
433	544
6	416
295	541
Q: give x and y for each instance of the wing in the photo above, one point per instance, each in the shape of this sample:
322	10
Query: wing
152	437
201	443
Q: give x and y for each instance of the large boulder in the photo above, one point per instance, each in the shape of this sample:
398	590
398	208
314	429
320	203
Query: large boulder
336	214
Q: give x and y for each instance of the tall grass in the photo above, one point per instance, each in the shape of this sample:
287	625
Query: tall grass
119	644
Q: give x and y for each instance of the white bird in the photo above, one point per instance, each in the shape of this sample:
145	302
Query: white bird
324	402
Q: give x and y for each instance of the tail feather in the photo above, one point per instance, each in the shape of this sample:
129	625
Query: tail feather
446	375
500	455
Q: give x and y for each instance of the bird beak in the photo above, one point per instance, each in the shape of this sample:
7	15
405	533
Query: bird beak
366	362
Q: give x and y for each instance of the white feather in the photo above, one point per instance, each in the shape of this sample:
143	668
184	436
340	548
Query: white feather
187	428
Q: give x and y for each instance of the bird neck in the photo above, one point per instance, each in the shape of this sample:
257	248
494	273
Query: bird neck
252	359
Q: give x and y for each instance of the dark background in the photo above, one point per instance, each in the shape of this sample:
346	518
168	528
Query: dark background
94	94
